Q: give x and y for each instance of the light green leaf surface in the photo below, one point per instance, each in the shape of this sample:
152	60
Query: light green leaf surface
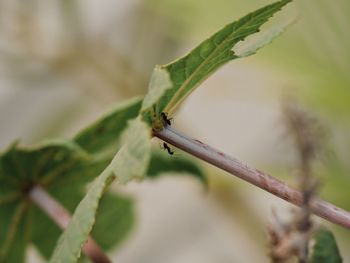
159	83
188	72
130	162
325	249
133	158
69	245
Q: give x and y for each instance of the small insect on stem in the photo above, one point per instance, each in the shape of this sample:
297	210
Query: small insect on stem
165	119
166	147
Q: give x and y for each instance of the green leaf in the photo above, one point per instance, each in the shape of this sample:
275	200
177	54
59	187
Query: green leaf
20	169
325	250
13	232
22	166
130	162
160	82
115	220
63	168
103	135
69	245
188	72
133	158
44	234
162	163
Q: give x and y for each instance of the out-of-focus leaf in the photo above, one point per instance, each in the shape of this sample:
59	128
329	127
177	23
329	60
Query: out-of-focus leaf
45	232
101	137
115	218
114	221
13	228
162	163
63	169
325	249
188	72
21	168
104	134
130	162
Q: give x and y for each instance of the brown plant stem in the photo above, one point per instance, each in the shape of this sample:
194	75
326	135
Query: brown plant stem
62	217
264	181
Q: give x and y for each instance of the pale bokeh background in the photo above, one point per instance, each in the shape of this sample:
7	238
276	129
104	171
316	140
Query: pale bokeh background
63	63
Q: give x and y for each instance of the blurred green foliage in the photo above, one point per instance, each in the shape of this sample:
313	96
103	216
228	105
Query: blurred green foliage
325	249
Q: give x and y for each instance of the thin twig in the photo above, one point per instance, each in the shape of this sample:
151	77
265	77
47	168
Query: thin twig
62	217
235	167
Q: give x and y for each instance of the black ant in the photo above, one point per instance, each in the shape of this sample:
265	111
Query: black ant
165	118
166	147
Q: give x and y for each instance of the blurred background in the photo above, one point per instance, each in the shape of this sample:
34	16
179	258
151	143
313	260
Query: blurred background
63	63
